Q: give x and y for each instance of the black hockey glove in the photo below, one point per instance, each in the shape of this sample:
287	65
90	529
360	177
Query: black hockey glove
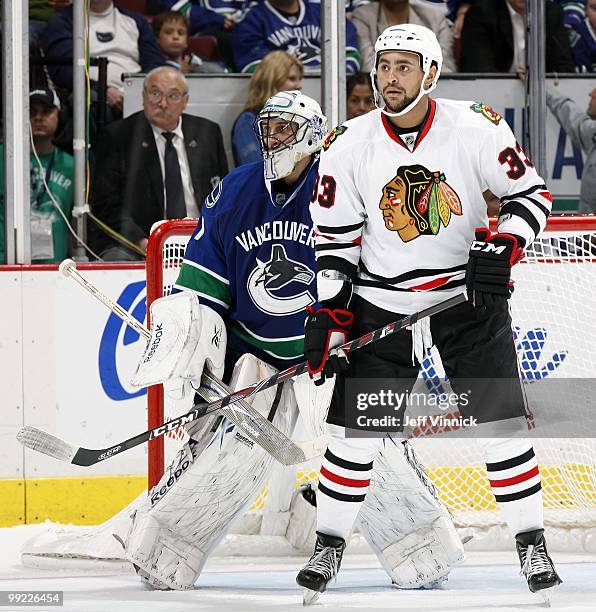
325	329
488	274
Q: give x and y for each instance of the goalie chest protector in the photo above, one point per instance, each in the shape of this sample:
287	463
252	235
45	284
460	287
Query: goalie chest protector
251	258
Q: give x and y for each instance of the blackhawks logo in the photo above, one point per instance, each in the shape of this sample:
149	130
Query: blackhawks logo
335	133
486	111
416	202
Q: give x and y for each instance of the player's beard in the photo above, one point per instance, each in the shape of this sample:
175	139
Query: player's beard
400	107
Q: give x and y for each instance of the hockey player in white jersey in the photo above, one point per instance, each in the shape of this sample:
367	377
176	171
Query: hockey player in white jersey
249	267
402	225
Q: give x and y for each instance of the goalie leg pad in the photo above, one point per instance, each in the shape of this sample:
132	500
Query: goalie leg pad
193	506
405	523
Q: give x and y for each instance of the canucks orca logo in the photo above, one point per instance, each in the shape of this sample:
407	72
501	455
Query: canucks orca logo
276	286
306	51
530	347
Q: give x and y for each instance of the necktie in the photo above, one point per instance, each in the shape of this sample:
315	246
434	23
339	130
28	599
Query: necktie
175	205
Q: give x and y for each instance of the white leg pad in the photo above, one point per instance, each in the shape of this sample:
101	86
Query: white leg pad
198	498
161	552
405	524
303	519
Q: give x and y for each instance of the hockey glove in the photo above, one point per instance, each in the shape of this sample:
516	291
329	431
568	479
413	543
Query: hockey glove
325	329
488	273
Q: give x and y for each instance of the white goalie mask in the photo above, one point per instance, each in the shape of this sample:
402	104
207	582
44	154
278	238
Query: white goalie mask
290	127
412	39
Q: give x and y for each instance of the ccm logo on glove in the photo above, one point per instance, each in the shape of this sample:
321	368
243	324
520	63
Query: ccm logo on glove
487	247
488	273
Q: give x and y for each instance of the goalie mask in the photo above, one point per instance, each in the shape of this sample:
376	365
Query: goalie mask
412	39
290	127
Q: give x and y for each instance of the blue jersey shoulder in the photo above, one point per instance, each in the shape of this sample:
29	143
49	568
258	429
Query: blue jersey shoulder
243	184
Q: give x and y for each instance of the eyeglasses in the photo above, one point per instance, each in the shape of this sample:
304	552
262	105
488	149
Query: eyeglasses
173	96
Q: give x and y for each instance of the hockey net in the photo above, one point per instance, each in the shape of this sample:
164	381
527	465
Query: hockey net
553	309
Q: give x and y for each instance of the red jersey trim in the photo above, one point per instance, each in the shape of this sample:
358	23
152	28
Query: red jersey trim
421	134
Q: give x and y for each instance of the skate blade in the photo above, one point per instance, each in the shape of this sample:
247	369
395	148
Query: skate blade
545	595
309	597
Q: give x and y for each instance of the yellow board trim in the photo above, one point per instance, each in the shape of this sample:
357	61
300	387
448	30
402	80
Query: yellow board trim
90	501
82	501
12	508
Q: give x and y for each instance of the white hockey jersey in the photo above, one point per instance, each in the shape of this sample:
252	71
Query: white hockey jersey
398	213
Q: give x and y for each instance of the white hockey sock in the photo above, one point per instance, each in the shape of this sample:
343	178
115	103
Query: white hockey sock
515	482
343	482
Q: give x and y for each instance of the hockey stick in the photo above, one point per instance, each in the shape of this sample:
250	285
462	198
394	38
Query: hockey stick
249	421
37	439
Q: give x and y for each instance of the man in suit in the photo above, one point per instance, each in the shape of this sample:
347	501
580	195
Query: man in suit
493	38
156	164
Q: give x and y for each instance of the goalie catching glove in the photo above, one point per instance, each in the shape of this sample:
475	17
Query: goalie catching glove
325	329
488	273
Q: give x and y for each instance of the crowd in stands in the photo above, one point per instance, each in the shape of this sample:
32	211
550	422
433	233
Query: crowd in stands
278	42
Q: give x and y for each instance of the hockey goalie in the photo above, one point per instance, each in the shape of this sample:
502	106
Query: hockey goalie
238	314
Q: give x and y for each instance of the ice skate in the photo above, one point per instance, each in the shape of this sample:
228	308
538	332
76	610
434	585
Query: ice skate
321	567
536	565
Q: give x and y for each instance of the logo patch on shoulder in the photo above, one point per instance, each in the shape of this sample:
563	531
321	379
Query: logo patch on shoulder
212	198
335	133
486	111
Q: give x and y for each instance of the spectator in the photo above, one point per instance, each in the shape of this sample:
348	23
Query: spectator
580	125
122	36
293	26
49	231
40	12
493	38
372	19
217	15
457	16
133	156
278	71
574	11
583	40
360	96
171	30
214	17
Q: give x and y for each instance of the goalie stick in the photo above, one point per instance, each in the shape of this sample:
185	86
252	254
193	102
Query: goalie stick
248	420
39	440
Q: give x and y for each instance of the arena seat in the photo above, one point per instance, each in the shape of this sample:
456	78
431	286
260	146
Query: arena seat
205	47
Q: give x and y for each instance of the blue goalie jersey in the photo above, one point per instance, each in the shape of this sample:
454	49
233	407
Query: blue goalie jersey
252	259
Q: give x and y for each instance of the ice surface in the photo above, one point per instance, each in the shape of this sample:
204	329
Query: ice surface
487	582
